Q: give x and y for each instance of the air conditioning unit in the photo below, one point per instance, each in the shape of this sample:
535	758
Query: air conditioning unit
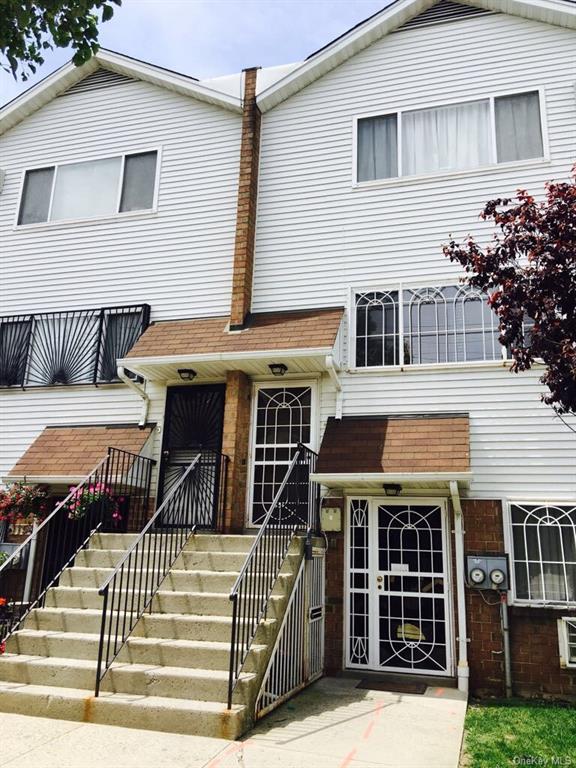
567	641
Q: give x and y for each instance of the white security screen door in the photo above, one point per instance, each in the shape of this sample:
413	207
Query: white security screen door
398	587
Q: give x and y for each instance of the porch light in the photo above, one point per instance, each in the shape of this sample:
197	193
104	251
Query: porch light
187	374
392	489
278	369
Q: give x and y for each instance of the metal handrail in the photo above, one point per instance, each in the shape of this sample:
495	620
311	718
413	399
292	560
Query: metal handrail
255	583
124	479
192	503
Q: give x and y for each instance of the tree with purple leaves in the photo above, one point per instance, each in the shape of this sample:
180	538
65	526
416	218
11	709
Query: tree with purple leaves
528	271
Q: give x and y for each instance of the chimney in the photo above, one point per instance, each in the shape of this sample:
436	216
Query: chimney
246	211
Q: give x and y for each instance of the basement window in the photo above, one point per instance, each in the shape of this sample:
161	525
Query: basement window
92	189
567	641
451	137
544	552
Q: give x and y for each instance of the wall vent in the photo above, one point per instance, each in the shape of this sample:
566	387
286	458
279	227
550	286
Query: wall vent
102	78
443	12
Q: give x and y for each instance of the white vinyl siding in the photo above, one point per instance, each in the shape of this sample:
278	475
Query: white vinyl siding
319	236
178	258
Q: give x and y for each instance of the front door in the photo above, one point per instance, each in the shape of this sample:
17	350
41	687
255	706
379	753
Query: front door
193	424
398	617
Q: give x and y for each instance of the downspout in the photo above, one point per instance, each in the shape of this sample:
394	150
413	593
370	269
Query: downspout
337	385
140	391
463	670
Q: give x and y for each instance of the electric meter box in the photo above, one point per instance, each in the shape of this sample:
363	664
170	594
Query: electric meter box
331	519
487	572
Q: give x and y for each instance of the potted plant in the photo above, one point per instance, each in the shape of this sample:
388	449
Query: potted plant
22	503
85	499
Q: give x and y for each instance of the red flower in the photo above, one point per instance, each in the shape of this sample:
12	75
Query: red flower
2	648
3	601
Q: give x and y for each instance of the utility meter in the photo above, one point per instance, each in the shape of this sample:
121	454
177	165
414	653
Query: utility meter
487	572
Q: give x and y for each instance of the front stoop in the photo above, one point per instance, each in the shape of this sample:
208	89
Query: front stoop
172	674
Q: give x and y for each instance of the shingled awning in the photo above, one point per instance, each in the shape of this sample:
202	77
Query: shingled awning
423	451
300	339
68	454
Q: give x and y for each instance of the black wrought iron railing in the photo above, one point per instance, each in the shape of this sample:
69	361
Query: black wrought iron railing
296	506
114	494
74	347
195	501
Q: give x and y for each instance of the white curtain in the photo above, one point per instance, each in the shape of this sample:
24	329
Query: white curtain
377	148
446	138
518	129
86	189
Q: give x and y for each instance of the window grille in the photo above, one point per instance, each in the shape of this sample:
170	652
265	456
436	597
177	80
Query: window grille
544	552
414	326
283	420
567	641
377	332
71	347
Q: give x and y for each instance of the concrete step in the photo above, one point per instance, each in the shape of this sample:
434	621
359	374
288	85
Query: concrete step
160	625
138	650
220	561
169	601
137	679
214	542
131	711
176	580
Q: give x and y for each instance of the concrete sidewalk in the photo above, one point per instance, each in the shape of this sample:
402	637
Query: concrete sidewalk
330	725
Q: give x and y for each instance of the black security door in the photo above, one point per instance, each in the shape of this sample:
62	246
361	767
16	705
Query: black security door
193	424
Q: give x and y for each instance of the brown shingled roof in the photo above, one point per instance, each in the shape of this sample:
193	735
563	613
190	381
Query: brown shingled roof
75	451
274	331
396	444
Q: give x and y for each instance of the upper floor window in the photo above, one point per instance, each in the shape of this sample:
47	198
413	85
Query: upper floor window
448	138
450	324
89	189
544	552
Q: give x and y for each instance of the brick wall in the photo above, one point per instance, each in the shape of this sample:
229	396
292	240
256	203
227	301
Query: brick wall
246	210
334	623
533	631
235	445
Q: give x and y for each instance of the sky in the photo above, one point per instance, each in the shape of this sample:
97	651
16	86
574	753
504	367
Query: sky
208	38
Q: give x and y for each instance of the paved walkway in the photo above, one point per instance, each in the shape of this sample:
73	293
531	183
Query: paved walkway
330	725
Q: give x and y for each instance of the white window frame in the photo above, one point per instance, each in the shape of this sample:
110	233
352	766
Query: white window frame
491	98
509	546
563	644
400	287
314	428
91	159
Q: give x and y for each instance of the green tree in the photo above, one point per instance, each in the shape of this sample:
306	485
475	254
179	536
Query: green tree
27	29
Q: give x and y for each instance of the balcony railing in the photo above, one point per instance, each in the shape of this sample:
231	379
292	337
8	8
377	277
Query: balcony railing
76	347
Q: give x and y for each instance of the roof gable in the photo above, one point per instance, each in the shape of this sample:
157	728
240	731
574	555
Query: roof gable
63	80
401	14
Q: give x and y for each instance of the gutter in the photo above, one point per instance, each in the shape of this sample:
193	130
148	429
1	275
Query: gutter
140	391
463	669
332	370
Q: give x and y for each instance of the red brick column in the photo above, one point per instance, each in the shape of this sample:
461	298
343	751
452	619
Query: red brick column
246	210
334	620
235	444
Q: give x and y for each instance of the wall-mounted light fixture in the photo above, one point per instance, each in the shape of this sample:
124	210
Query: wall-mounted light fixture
187	374
392	489
278	369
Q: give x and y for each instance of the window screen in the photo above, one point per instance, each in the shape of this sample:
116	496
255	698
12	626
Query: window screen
138	186
36	196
